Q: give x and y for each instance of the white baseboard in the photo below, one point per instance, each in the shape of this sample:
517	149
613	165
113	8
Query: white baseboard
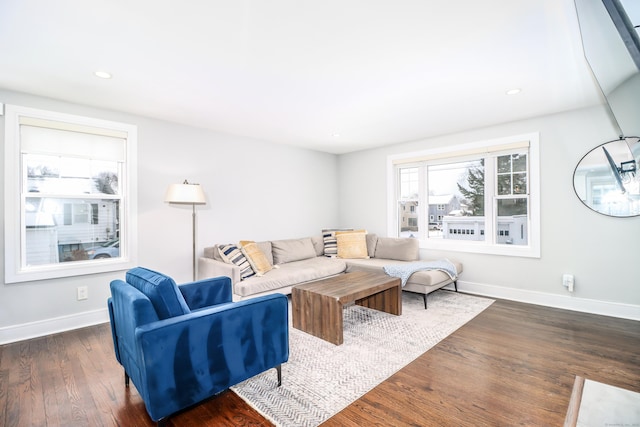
41	328
567	302
625	311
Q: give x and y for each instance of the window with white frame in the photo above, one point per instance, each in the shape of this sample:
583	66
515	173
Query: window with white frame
70	191
485	196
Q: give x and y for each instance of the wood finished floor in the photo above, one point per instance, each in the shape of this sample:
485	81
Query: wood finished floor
514	364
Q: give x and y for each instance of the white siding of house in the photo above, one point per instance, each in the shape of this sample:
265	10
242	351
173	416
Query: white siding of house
45	240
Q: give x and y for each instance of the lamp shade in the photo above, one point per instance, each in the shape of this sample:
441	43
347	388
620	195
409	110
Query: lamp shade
185	193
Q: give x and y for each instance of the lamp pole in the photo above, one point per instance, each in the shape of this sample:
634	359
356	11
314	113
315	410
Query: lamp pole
193	217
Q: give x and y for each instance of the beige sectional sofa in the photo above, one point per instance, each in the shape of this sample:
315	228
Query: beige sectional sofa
297	261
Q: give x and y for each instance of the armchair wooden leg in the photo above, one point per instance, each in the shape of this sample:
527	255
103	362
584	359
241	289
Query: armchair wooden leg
162	422
455	285
279	370
126	379
425	300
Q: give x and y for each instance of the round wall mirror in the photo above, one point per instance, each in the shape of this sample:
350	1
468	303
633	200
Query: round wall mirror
607	179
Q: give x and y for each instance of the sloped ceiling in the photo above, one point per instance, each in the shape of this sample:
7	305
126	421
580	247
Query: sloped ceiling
331	75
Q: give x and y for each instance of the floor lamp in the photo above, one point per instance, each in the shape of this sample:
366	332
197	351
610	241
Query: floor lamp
187	194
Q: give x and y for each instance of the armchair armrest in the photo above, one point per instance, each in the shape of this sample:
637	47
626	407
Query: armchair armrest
209	267
188	358
207	292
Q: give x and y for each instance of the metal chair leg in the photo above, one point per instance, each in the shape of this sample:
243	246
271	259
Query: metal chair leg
425	300
279	370
126	379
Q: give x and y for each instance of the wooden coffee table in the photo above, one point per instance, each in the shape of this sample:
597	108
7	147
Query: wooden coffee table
317	306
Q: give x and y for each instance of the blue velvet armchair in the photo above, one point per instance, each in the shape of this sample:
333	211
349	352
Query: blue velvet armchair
182	344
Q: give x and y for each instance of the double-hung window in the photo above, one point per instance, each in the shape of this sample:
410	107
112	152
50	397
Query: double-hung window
481	197
70	195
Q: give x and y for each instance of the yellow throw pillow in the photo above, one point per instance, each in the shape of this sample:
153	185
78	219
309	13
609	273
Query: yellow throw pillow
255	256
352	244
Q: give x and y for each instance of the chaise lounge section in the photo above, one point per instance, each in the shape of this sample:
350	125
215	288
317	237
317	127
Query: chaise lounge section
386	251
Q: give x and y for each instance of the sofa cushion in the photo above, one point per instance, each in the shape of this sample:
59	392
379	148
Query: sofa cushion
290	274
352	244
212	252
372	240
161	290
290	250
267	250
231	254
258	260
401	249
318	245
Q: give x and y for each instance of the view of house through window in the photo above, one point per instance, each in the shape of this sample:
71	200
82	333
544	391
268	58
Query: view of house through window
479	197
408	200
67	210
84	223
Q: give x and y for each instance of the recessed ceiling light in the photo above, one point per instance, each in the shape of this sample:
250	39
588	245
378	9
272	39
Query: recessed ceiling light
335	135
514	91
102	74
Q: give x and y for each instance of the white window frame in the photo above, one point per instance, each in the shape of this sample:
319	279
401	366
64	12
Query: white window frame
455	153
14	229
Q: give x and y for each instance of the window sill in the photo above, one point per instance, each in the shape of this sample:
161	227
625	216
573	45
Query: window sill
70	269
528	251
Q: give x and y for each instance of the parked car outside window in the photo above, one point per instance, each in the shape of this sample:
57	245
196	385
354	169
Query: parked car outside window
109	249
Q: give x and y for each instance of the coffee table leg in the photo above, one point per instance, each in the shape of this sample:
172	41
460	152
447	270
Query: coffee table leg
331	321
318	315
297	309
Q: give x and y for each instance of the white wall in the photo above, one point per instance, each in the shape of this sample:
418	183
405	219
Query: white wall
255	190
602	252
625	104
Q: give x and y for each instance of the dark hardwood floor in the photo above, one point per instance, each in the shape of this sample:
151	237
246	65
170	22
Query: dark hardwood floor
514	364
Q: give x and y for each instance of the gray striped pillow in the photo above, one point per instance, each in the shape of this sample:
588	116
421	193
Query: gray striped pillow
330	241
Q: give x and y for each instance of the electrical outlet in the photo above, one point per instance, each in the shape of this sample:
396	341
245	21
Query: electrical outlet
567	281
83	293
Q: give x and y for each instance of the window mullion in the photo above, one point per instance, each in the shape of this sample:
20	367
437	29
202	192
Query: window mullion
423	206
490	201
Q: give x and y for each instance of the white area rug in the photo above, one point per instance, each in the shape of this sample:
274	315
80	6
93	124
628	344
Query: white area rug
320	379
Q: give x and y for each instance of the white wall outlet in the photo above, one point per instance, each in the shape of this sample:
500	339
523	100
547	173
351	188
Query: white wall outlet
83	293
567	281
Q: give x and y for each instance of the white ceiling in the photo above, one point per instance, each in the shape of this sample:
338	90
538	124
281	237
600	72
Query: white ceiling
298	72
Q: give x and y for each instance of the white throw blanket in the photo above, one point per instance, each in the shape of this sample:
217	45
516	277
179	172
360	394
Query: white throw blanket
404	271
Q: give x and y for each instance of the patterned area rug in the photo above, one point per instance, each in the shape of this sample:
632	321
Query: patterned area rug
320	379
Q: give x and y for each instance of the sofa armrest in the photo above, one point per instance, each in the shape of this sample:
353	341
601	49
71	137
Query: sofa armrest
207	292
188	358
209	267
